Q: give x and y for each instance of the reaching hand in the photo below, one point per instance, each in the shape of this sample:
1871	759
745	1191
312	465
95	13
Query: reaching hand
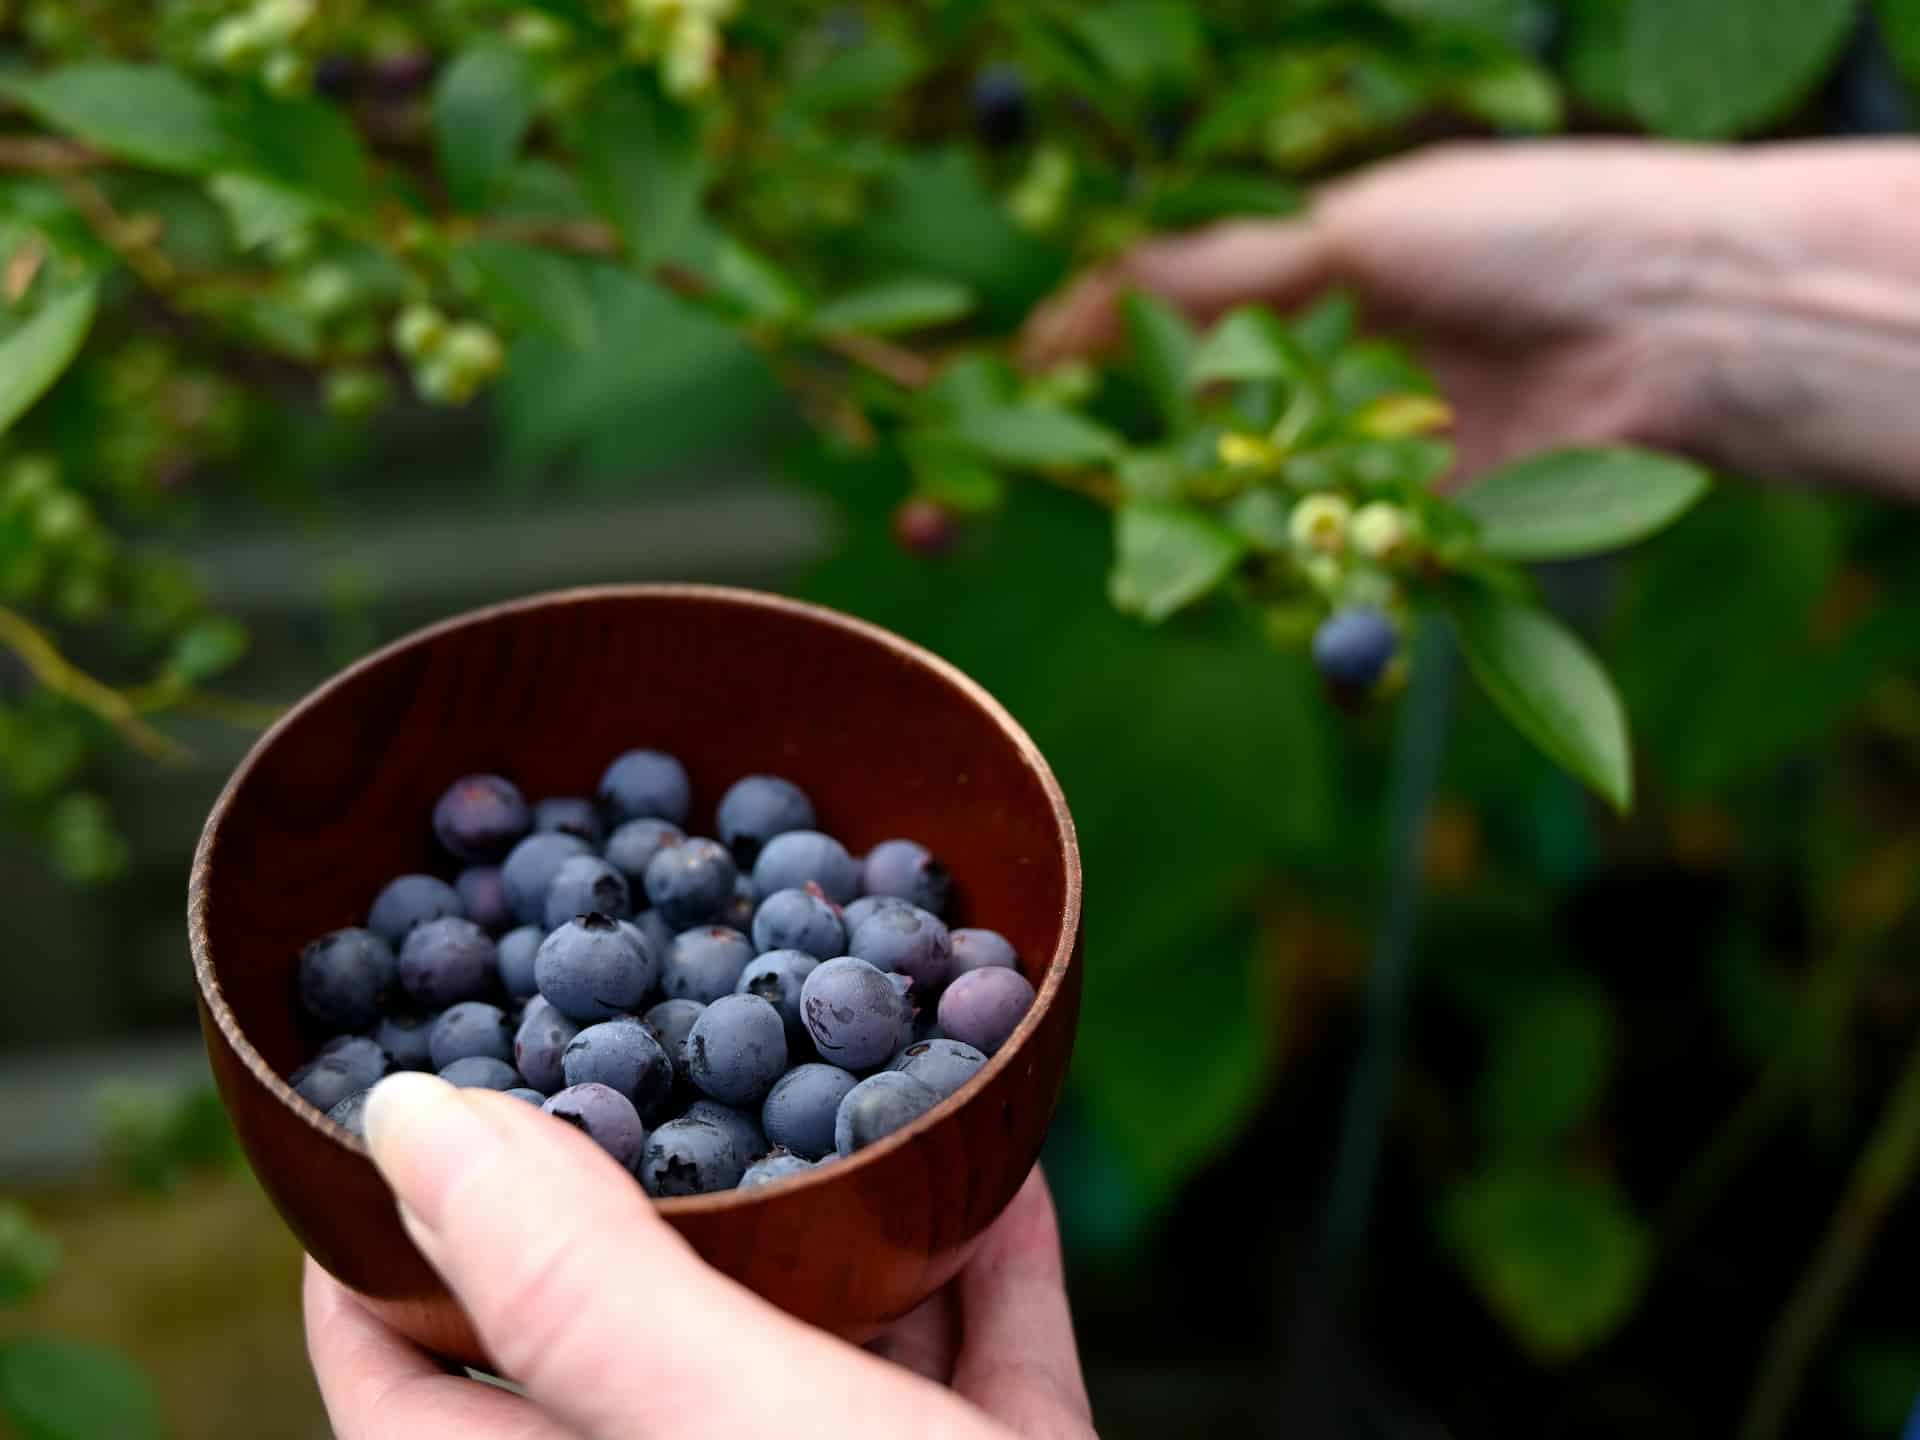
1758	307
616	1330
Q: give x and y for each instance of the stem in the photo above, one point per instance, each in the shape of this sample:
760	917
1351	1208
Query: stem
46	155
1882	1174
1420	747
63	677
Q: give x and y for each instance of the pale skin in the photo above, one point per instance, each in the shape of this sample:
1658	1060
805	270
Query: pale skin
616	1330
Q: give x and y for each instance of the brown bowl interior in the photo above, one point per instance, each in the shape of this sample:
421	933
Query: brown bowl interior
887	739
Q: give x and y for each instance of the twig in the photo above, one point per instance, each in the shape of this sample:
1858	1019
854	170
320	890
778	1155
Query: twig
134	241
47	155
170	694
1882	1174
883	357
60	675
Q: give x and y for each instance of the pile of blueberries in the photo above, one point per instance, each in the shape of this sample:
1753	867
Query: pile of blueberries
712	1012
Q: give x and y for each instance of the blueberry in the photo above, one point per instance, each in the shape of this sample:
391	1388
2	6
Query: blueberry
606	1117
800	1109
737	1049
480	817
705	963
799	920
402	74
591	969
739	910
1352	647
755	809
540	1044
447	960
346	978
689	1157
976	949
907	868
943	1066
1000	106
407	1040
623	1055
529	870
521	1092
792	860
878	1106
863	909
655	931
483	891
514	952
351	1113
583	885
470	1028
483	1072
336	76
568	815
345	1065
857	1015
741	1126
646	783
632	847
776	977
924	527
774	1165
671	1021
409	901
982	1007
689	882
908	941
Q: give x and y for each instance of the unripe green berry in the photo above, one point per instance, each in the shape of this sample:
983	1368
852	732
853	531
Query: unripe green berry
536	33
441	383
474	351
285	73
1319	524
236	41
355	391
326	290
30	479
61	516
1381	530
418	331
282	19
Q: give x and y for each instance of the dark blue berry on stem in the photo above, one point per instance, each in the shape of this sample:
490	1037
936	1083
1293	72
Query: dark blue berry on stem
1353	647
1000	109
924	527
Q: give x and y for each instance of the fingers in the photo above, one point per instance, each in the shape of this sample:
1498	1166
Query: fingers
1018	1360
1276	262
377	1386
924	1340
586	1297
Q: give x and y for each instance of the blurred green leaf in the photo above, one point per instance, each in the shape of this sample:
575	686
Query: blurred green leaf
208	647
1220	195
33	354
945	472
642	164
1250	343
304	145
1580	502
1325	328
1145	45
28	1255
1560	1259
1032	437
858	77
1883	1381
1260	517
760	288
1166	557
1717	69
86	845
1548	1062
535	291
1550	687
1151	475
895	306
261	212
1596	53
149	114
69	1390
1505	20
1513	95
153	1138
1162	346
1900	24
482	106
1367	370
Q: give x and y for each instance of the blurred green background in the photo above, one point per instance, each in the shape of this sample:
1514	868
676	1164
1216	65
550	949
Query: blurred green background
1657	1082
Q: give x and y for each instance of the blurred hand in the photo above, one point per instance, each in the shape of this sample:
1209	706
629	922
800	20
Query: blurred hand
1758	307
617	1330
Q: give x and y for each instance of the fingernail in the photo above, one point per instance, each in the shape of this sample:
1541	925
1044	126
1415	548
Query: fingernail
424	1136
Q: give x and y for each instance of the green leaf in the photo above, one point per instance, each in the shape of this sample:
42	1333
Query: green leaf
899	305
482	106
87	847
1219	195
858	77
1900	25
149	114
304	145
1550	687
1369	369
1717	69
1162	346
1250	343
1596	53
1548	1063
1504	20
68	1390
1559	1259
1260	516
1325	328
1145	44
535	291
1167	556
643	168
1580	502
1513	95
261	212
34	354
28	1255
944	472
1030	437
754	283
208	647
1151	475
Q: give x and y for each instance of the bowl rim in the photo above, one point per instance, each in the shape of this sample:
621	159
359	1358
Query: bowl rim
1052	981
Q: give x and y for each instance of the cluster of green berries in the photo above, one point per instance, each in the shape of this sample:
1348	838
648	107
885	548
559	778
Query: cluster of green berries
451	360
68	561
263	39
681	38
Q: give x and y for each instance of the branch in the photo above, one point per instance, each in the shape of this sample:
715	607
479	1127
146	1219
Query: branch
134	241
47	155
58	674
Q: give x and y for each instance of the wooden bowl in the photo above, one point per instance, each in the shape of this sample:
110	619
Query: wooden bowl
887	739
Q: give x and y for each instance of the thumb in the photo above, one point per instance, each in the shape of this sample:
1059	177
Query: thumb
586	1297
1203	274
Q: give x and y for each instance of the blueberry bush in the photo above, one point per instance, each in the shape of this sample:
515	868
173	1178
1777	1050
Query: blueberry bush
241	240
